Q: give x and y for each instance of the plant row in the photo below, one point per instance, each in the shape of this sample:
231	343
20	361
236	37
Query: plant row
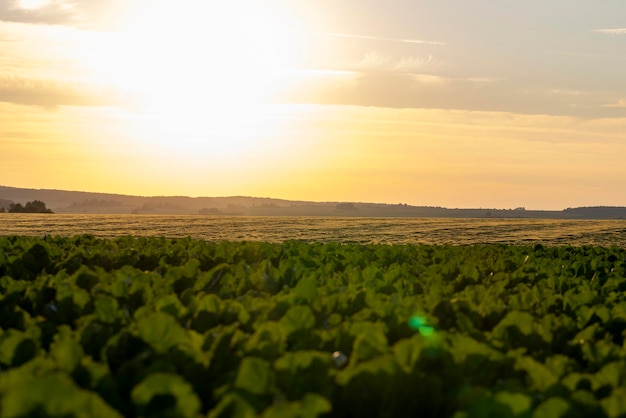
186	328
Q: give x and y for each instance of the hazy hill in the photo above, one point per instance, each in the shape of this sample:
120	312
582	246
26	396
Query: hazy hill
62	201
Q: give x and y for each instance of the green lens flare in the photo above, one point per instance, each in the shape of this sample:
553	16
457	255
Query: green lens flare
416	322
420	324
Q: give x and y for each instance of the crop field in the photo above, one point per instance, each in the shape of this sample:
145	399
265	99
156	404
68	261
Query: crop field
182	327
516	231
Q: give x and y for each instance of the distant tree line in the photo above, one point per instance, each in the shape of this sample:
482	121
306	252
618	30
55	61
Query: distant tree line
209	211
36	206
100	203
345	206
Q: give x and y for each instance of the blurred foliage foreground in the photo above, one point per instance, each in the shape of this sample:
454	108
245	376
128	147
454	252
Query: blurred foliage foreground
158	327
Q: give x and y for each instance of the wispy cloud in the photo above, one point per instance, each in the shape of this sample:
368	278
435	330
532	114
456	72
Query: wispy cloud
430	90
373	61
620	103
620	57
483	79
378	38
53	12
565	92
52	94
615	31
429	79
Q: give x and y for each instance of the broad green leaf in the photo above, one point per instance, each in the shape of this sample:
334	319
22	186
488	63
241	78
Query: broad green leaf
53	395
600	352
307	289
297	318
464	347
66	350
70	294
303	371
171	304
554	407
364	327
210	303
612	374
269	341
233	405
559	364
161	331
480	402
518	403
540	377
381	366
283	410
369	345
314	405
408	352
16	348
165	394
579	296
583	315
311	406
107	309
254	376
574	381
615	405
522	321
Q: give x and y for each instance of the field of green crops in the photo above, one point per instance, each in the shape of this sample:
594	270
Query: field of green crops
157	327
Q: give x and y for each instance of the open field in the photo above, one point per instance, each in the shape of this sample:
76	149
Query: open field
187	328
319	229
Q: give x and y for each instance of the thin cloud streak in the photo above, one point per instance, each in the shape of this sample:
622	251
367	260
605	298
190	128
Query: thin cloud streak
373	61
377	38
616	31
51	94
389	89
586	55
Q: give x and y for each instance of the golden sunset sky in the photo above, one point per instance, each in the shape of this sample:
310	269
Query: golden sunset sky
449	103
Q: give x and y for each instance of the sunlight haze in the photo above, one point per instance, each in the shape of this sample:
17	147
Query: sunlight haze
443	103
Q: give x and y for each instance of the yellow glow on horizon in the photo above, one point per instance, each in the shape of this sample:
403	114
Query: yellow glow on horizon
325	153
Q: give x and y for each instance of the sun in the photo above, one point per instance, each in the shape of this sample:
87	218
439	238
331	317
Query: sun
222	52
198	63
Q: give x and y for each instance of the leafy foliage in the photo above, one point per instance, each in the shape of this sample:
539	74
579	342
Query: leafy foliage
186	328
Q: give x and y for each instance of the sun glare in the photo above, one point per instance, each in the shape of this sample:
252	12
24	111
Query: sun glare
208	64
211	55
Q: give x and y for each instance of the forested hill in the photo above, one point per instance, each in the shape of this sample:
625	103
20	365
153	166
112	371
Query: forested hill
61	201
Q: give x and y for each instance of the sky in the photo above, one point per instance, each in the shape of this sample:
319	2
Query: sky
488	103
